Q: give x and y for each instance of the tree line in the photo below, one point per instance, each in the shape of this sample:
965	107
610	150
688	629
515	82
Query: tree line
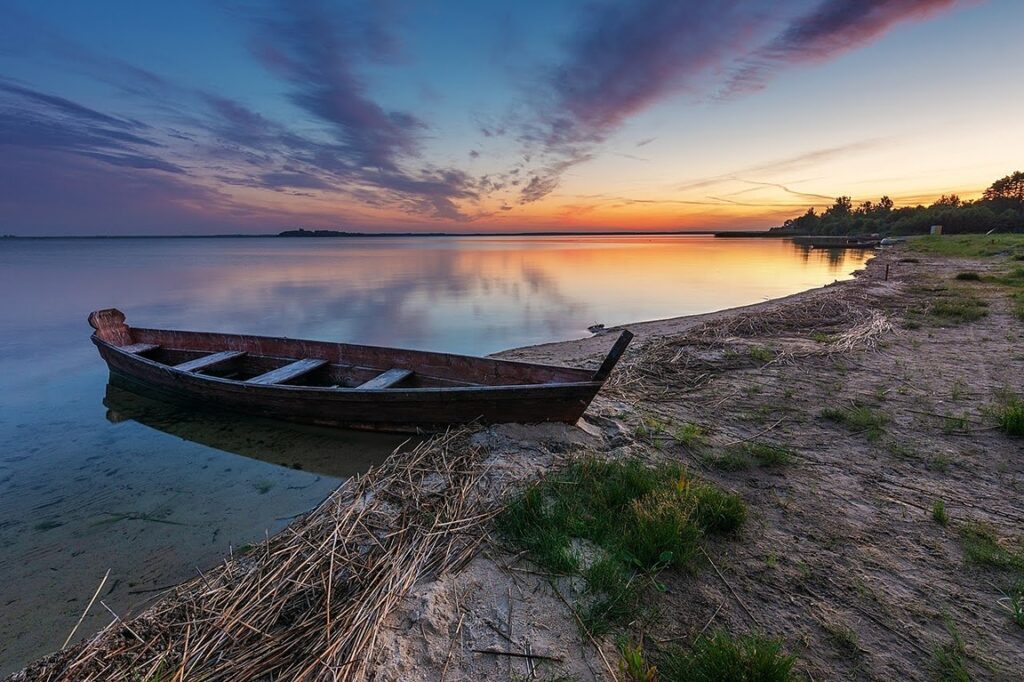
1000	208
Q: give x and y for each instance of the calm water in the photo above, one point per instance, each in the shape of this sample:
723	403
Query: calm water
93	478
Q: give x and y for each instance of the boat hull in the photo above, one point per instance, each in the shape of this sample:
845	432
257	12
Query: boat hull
393	409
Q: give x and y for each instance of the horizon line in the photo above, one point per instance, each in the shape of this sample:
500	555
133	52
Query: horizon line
342	234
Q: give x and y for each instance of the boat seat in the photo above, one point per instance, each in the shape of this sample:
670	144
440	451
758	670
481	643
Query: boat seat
386	380
209	361
139	348
292	370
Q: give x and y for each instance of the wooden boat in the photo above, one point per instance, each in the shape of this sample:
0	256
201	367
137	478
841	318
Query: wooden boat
338	384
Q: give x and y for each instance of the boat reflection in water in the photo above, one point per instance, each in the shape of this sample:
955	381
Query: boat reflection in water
322	450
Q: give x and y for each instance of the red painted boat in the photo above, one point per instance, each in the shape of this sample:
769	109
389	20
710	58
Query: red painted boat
338	384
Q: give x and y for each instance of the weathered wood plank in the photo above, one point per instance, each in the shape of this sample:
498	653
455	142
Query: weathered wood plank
209	361
385	380
140	348
289	372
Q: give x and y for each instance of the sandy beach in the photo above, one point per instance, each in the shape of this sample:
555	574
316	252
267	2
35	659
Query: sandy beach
866	384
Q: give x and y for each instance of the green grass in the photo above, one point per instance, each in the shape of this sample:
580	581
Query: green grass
761	354
649	427
633	664
1014	603
939	513
981	546
958	308
969	245
1010	416
691	435
968	276
755	453
724	658
1018	305
950	660
955	424
859	418
640	520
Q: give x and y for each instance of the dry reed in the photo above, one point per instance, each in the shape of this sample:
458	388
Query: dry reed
848	316
307	604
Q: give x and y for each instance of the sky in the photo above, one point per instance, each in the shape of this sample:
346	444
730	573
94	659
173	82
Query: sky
121	117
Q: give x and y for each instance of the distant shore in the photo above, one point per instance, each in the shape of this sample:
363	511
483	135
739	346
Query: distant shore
332	234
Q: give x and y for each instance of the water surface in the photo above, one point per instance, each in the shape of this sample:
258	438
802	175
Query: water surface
94	479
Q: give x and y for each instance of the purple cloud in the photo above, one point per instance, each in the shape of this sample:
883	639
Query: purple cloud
832	28
36	120
315	50
627	56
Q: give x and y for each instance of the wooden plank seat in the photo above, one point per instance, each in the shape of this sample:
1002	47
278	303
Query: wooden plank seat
386	380
139	348
209	361
292	370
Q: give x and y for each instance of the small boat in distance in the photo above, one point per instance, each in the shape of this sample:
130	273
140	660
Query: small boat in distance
339	384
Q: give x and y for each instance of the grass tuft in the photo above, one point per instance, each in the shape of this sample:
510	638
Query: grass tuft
724	658
950	660
638	518
1014	603
1011	416
939	513
859	418
761	354
958	309
633	664
982	546
691	435
746	455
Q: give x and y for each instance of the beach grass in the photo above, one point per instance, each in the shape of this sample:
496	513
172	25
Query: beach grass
983	547
744	456
723	657
969	245
950	660
859	418
614	521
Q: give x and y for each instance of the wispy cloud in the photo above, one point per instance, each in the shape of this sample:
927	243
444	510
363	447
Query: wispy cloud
625	57
38	120
829	30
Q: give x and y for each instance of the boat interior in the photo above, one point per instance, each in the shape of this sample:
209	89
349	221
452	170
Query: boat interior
272	361
267	370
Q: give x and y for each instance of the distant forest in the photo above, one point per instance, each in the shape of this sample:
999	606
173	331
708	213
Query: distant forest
1000	208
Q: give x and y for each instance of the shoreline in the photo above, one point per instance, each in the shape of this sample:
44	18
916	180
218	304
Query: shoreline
573	351
589	350
835	345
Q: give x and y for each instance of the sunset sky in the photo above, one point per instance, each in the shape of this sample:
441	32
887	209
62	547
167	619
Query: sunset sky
466	116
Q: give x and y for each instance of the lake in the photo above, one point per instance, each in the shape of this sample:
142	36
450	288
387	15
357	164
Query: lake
93	478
